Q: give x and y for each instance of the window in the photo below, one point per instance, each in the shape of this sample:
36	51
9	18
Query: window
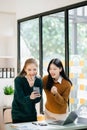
78	56
59	33
54	39
29	40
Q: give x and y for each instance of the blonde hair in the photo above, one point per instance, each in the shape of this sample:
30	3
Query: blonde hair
27	62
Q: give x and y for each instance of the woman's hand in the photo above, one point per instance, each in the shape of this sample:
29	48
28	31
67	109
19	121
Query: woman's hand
54	90
34	95
31	80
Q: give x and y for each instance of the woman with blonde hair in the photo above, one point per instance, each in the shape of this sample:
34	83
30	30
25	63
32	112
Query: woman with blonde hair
25	98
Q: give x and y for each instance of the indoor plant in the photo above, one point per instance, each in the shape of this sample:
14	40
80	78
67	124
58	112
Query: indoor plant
8	90
8	95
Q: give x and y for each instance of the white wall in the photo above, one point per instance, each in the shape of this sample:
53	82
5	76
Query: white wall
8	28
8	44
8	47
7	34
26	8
8	6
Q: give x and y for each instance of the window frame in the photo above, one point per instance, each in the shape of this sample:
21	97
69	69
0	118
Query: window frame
40	16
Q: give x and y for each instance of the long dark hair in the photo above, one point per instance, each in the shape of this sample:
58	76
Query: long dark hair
59	64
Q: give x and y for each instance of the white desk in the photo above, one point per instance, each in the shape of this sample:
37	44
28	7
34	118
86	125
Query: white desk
30	126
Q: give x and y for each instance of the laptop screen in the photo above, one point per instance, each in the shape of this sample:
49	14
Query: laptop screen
71	118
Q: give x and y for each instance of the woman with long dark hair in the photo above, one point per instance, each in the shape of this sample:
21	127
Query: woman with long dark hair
57	88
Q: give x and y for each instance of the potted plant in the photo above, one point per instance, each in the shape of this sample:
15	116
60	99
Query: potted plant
8	95
8	90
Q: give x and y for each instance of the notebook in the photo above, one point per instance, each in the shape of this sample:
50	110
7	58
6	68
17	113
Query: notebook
70	119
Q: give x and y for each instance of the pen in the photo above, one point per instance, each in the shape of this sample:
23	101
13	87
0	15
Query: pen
34	123
41	124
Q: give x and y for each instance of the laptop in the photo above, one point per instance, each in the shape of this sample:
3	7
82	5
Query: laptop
70	119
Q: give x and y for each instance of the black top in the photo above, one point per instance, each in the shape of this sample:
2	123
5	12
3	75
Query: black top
23	108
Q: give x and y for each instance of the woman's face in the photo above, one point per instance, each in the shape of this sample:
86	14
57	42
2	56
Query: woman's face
31	70
54	71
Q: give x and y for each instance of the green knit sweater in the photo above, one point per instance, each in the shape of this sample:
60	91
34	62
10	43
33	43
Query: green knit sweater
23	108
